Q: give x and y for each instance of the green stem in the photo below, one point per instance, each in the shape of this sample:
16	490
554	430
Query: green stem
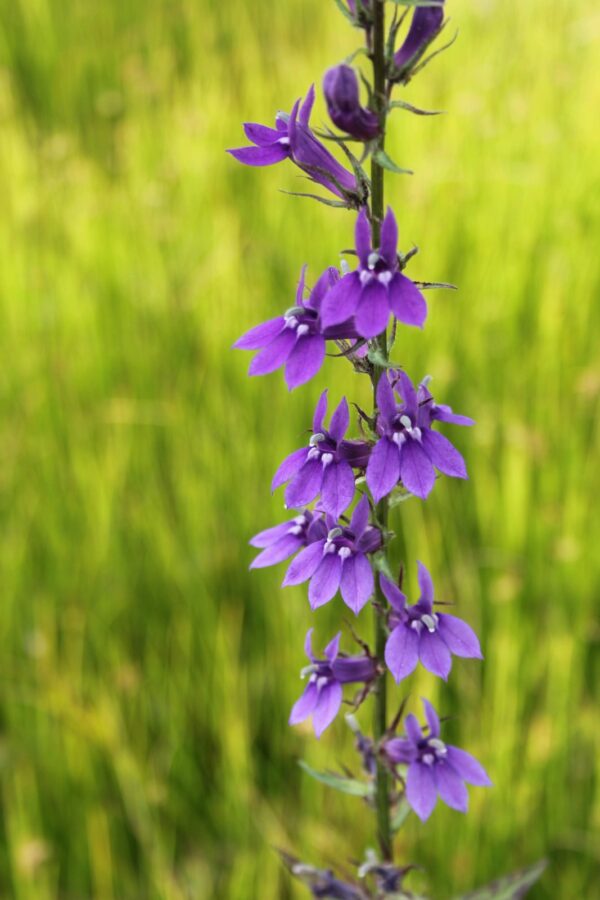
382	785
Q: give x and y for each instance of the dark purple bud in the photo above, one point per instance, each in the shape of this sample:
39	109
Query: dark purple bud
340	87
351	669
426	22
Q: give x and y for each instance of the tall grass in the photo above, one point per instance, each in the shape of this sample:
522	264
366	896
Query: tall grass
146	676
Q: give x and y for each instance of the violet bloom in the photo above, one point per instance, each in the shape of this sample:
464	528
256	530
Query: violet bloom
408	450
340	87
434	767
322	696
426	23
325	466
417	633
339	561
293	139
296	339
282	541
377	287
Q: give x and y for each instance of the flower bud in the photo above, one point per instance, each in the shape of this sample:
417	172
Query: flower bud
426	22
340	87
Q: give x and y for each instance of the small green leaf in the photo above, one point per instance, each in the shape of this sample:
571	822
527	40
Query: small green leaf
337	204
401	104
339	782
426	285
378	358
383	160
511	887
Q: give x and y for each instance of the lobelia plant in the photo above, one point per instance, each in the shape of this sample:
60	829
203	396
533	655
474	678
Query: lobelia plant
407	766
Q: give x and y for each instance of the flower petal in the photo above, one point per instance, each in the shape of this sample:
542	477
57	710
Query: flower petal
337	490
306	485
341	301
406	301
276	553
406	389
260	335
443	454
373	311
389	239
413	729
261	134
360	517
270	535
307	105
304	707
274	354
383	470
421	790
401	651
393	594
434	654
433	720
469	769
426	586
305	564
362	238
340	421
260	156
386	402
319	413
325	582
444	414
290	466
459	637
328	706
333	647
416	470
305	360
357	582
451	788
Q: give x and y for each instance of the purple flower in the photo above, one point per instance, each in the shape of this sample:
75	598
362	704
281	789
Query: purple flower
417	633
293	139
340	87
325	466
339	561
376	287
296	339
426	23
284	540
434	767
322	696
408	449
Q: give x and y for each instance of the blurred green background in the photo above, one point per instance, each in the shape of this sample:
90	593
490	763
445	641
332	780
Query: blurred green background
146	675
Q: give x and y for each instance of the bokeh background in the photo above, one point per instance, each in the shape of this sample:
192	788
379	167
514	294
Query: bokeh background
146	676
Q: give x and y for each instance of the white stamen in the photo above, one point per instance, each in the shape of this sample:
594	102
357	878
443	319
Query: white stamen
294	311
334	533
316	438
428	759
372	259
302	330
290	321
314	453
426	380
344	266
438	746
429	623
344	552
326	459
384	278
300	520
365	277
307	670
295	529
329	547
404	420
